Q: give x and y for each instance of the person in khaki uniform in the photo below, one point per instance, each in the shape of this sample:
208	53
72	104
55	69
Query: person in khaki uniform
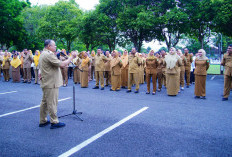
36	67
15	64
6	66
173	63
99	68
51	80
64	70
182	68
159	71
202	65
163	54
76	71
189	60
134	63
124	69
92	65
227	63
27	60
141	69
107	69
85	69
115	66
151	71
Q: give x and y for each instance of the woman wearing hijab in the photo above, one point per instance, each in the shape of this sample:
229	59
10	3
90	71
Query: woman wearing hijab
173	63
21	67
64	70
6	67
36	66
182	68
76	71
124	69
151	71
141	69
85	67
15	63
115	66
202	65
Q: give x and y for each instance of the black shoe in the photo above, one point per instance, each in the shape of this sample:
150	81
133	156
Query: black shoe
57	125
187	86
123	87
224	99
137	91
128	91
24	81
29	82
153	93
203	97
159	90
117	90
35	82
106	85
196	97
111	89
44	124
102	88
75	82
96	87
147	92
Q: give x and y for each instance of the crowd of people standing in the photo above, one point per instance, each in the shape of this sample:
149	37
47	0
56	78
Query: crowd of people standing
173	70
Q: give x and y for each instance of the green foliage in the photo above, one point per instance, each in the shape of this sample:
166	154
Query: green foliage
11	24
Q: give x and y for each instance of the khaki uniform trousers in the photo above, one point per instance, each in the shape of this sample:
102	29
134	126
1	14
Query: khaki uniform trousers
187	73
182	78
148	79
200	84
164	78
36	75
227	85
49	105
92	72
99	76
108	77
64	72
27	74
159	76
133	78
6	74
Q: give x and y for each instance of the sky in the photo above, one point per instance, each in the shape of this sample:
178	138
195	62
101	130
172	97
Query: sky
84	4
90	5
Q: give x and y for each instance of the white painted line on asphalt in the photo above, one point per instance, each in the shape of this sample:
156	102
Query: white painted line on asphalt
100	134
10	113
213	77
8	92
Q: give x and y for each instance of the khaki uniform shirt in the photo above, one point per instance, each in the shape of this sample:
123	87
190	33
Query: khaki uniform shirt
99	62
227	62
176	69
189	60
151	66
49	66
107	64
134	63
7	64
201	67
27	60
184	62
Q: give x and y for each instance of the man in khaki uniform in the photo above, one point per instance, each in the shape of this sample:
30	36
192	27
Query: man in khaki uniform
134	62
107	69
51	80
227	62
189	60
99	68
27	60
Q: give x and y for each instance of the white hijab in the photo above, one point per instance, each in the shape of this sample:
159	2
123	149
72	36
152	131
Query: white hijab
171	59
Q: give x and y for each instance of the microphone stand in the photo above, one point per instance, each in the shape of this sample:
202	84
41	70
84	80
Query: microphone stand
74	112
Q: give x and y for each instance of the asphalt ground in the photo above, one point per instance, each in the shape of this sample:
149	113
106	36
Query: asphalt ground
169	126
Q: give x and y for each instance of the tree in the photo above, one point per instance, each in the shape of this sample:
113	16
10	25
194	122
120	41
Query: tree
61	23
223	17
11	24
200	14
